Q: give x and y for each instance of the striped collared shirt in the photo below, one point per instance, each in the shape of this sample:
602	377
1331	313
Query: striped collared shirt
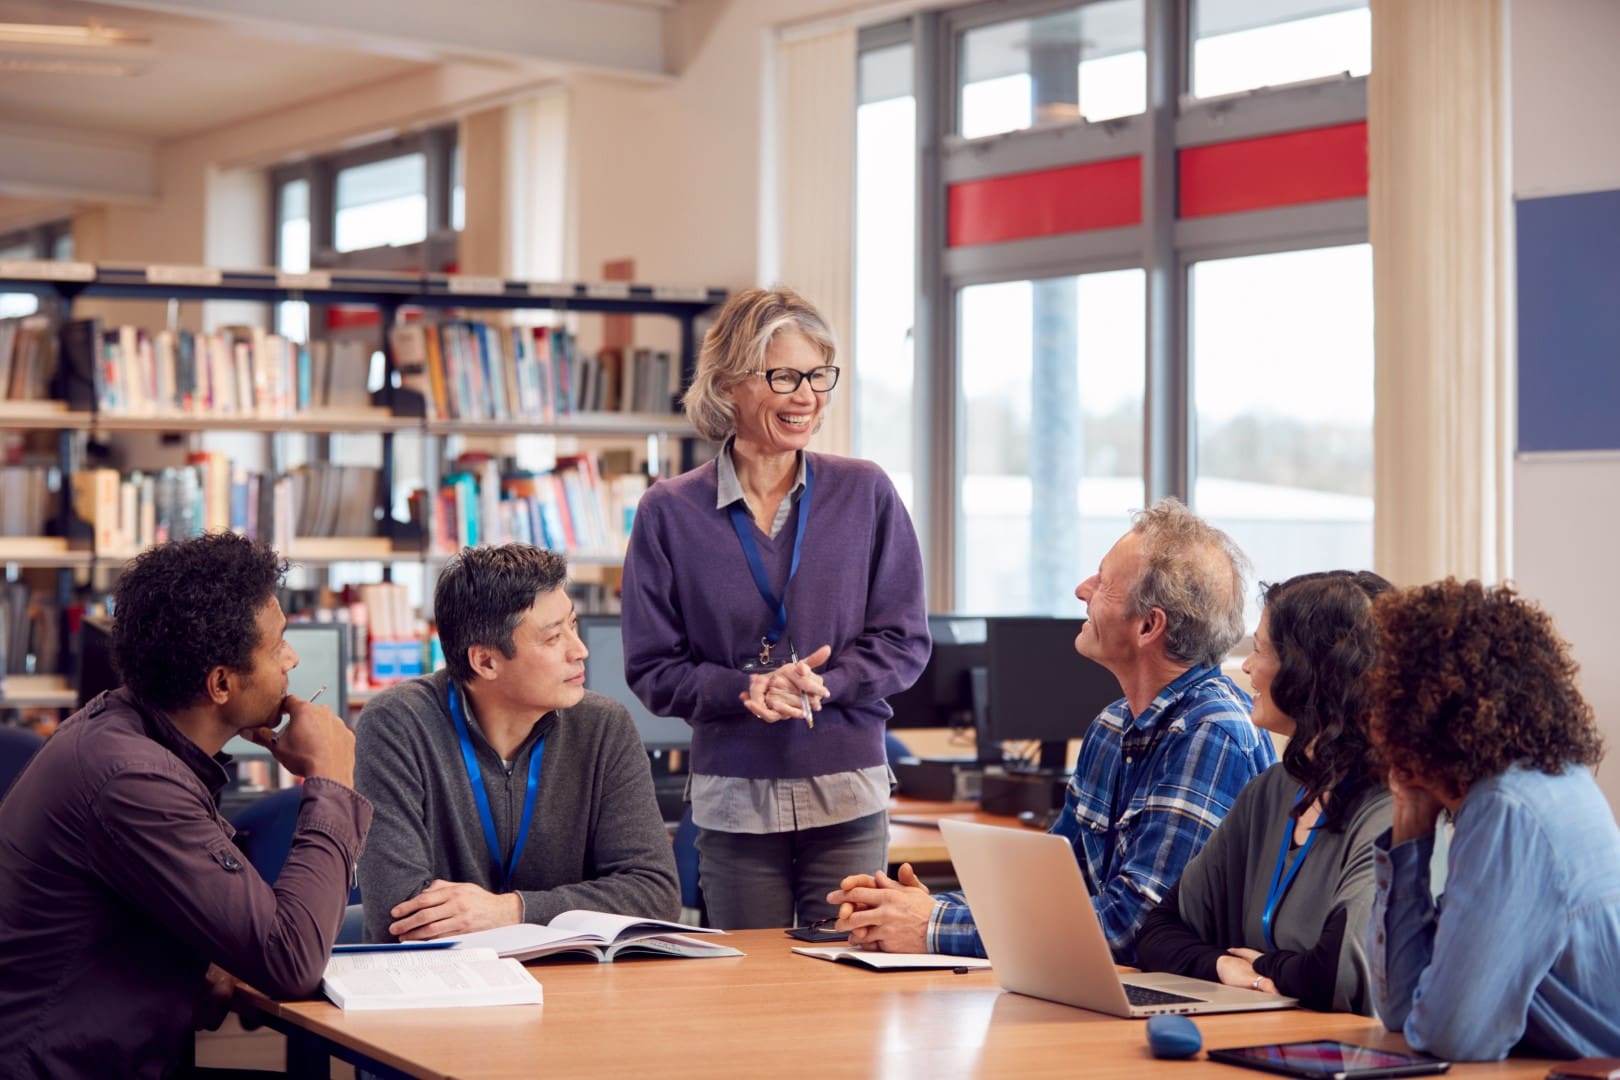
1146	794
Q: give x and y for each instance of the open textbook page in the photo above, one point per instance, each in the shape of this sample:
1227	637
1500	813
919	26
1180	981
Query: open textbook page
598	935
427	979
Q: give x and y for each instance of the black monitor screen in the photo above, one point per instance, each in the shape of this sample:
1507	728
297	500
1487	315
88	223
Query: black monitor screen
95	658
943	694
1040	688
604	673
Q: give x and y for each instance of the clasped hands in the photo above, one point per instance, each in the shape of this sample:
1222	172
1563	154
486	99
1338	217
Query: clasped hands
884	914
780	694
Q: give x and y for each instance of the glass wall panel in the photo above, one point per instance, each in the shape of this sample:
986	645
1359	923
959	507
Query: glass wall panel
1246	44
1051	407
1081	63
1282	354
885	264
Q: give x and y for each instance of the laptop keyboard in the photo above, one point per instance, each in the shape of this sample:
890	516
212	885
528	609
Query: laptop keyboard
1143	995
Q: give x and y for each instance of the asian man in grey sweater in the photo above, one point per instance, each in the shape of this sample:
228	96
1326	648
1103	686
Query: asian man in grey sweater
506	792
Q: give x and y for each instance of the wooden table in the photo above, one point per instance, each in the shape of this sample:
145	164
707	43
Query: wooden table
922	843
774	1014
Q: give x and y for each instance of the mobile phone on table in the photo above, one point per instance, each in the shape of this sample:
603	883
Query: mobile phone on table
1325	1059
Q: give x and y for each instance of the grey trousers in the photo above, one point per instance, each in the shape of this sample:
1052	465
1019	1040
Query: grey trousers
752	881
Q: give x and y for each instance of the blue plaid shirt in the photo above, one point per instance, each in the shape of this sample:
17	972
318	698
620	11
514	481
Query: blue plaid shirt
1146	794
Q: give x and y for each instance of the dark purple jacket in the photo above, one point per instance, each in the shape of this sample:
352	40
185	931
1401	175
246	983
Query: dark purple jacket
119	883
692	615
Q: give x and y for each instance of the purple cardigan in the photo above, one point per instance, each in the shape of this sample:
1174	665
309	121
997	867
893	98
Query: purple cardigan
692	615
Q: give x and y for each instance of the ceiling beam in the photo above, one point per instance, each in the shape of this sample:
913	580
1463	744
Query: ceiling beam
61	164
607	37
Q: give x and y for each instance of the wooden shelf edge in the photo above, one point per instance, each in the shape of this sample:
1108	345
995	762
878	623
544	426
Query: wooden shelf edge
37	692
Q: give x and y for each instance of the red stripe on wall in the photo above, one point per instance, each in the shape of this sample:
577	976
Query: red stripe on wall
1075	198
1277	170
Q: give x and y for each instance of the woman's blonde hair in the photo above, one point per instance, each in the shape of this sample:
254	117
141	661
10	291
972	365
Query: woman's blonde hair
736	345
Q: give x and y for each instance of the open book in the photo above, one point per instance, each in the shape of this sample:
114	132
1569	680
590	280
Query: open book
884	961
596	934
427	979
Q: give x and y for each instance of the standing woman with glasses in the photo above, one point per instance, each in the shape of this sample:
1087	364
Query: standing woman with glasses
773	598
1279	897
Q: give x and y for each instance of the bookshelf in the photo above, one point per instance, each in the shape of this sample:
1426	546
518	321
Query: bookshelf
392	410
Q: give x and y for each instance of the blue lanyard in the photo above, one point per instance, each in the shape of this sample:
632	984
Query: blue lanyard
1281	881
475	776
743	524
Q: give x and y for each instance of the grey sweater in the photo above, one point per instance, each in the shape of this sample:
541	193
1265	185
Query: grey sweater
596	840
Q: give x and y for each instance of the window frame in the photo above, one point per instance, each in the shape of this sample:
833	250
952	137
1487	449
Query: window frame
1163	244
437	253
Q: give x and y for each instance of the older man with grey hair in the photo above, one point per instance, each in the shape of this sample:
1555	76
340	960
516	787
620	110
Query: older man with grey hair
1160	767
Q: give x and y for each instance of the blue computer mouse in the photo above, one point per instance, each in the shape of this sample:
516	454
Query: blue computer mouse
1172	1036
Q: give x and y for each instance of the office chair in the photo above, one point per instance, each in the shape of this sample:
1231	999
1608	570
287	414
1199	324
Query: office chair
17	746
686	864
264	832
894	749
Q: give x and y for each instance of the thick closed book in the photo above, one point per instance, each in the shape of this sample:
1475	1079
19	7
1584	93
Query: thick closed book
598	935
427	979
884	961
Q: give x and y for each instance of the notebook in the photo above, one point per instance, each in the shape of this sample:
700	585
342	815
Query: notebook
1034	913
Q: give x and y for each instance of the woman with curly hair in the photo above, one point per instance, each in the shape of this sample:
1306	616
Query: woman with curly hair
1277	899
1475	713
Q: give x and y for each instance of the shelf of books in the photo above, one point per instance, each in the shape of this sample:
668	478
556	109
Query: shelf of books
455	366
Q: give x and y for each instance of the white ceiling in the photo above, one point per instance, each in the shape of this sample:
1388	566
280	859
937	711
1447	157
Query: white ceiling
201	75
210	64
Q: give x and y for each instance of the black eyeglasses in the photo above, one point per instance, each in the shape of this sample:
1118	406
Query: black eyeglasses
785	380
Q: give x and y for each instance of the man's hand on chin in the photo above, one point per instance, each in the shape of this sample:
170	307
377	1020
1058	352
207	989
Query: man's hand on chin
453	907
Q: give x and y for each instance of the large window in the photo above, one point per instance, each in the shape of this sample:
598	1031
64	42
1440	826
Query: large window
885	263
1123	291
1282	352
1052	377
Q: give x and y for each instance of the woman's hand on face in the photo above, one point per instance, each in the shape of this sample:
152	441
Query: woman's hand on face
1415	808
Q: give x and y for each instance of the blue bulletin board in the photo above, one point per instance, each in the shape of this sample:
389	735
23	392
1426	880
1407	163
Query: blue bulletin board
1569	322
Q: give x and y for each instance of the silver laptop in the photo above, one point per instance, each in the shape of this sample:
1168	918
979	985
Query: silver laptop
1035	916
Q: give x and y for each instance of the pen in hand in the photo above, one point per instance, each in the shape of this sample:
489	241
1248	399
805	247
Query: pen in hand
804	698
276	736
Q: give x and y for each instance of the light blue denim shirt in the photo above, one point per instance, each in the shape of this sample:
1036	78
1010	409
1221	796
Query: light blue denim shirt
1525	943
741	805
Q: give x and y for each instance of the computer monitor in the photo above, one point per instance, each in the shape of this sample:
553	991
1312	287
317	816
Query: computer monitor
1040	688
604	673
943	694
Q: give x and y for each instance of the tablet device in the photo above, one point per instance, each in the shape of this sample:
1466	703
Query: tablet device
1328	1060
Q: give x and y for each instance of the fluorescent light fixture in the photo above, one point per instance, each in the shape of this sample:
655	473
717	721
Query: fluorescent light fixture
89	50
92	35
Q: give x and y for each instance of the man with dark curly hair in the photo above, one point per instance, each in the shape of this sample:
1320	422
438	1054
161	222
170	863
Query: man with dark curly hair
505	791
119	883
1475	713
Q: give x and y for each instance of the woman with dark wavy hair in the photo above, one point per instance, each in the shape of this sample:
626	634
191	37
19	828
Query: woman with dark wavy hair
1475	713
1278	898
